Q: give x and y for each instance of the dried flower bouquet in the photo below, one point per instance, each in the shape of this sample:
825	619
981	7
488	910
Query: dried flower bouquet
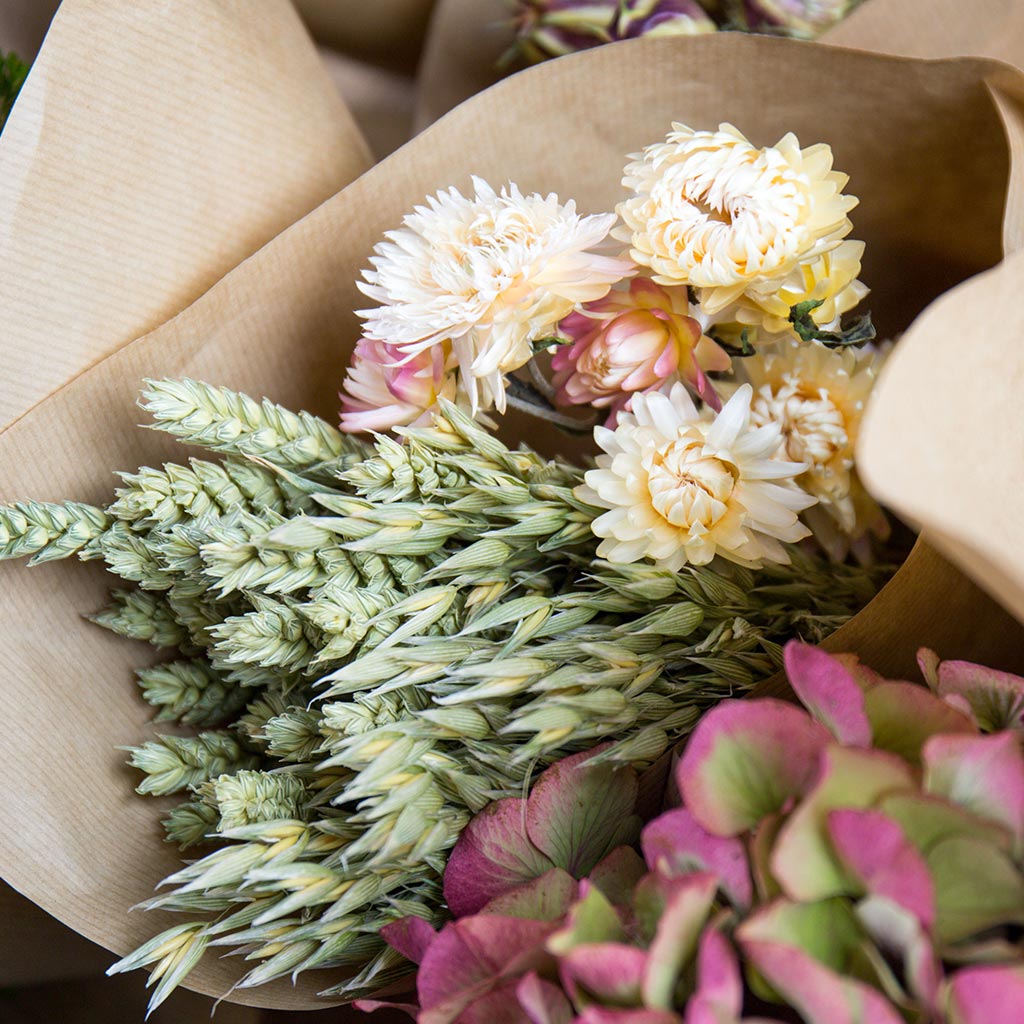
375	640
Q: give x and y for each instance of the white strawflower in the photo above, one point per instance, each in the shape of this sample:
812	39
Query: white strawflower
490	274
712	211
816	397
682	488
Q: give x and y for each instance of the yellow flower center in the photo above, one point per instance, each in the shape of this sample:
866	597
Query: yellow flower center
741	221
689	487
814	429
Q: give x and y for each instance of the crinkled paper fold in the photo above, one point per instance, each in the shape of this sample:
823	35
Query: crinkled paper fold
927	151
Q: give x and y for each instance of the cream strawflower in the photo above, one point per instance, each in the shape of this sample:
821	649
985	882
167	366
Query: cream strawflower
682	488
490	274
831	279
816	397
712	211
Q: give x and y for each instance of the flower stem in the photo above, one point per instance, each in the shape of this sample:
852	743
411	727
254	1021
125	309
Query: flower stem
526	398
541	382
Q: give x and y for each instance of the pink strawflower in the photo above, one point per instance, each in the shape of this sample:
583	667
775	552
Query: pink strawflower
631	341
387	389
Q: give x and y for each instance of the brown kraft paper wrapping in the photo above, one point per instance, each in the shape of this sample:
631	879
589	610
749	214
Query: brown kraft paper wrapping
154	146
926	149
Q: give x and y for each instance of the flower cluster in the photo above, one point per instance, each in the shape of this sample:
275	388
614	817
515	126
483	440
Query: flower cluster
553	28
465	287
860	862
737	274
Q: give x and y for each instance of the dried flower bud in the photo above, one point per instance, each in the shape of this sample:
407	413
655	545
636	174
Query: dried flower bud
802	18
552	28
662	18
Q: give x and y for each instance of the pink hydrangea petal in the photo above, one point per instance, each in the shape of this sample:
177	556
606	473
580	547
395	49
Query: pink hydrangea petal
829	691
803	860
803	951
676	937
977	887
493	855
821	995
411	936
745	760
617	874
899	933
876	851
470	957
579	812
500	1005
607	971
547	898
592	918
904	716
611	1015
543	1002
984	774
987	995
371	1005
996	699
719	991
675	844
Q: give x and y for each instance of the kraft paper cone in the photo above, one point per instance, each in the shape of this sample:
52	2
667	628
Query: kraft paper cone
928	156
382	101
461	57
154	146
952	395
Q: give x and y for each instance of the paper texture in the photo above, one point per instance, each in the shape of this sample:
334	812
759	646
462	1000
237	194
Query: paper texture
936	28
154	146
931	171
467	39
384	32
952	396
382	101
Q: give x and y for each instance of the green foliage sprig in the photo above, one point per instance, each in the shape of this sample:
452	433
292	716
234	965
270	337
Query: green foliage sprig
13	72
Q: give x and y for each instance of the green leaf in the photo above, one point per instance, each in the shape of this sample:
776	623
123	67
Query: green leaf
13	72
862	329
977	887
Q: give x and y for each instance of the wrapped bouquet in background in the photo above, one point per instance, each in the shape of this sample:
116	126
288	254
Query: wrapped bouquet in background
552	28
